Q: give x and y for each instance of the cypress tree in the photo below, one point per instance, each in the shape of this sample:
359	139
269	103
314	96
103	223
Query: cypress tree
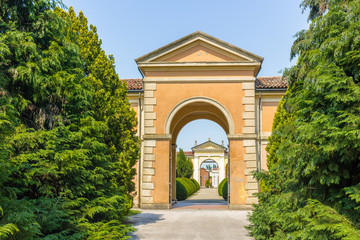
68	139
311	190
184	167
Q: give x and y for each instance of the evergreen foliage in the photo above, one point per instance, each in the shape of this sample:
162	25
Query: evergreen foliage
207	183
181	193
184	188
221	186
224	190
190	189
67	132
196	184
184	166
192	185
311	190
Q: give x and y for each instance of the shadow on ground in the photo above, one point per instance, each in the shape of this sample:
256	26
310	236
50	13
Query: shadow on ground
212	201
200	204
143	219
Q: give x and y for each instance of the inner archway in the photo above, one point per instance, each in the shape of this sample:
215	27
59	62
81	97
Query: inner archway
188	111
209	173
204	141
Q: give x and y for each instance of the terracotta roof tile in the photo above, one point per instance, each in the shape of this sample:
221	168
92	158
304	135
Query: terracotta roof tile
188	153
261	83
134	84
271	83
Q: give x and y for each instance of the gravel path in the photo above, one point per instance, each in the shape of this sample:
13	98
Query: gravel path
191	224
196	218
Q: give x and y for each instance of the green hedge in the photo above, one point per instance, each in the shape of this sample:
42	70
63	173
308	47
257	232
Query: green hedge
196	184
185	188
181	193
223	188
221	185
186	185
189	186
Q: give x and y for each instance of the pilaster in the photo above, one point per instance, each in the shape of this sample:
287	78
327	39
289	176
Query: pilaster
148	168
249	144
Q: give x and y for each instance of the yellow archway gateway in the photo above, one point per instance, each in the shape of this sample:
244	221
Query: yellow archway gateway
196	77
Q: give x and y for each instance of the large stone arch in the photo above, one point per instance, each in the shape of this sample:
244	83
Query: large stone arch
190	109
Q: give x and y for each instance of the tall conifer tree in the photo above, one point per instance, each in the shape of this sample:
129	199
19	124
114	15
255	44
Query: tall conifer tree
184	166
312	188
70	144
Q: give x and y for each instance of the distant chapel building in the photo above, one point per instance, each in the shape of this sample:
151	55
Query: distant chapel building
207	152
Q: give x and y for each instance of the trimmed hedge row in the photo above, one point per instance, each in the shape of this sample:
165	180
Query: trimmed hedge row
185	188
223	188
181	193
196	184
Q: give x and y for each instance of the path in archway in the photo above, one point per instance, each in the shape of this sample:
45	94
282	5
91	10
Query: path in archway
206	193
191	224
205	198
202	216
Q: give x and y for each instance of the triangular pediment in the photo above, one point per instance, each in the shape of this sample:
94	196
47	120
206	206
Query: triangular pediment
199	47
199	51
209	146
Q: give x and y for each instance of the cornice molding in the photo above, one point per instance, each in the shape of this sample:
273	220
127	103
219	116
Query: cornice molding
198	79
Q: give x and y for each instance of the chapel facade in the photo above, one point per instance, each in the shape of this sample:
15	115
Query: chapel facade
209	152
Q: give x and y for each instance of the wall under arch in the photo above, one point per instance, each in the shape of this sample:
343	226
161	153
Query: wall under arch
169	107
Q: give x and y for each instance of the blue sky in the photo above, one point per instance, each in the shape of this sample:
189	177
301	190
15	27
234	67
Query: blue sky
132	28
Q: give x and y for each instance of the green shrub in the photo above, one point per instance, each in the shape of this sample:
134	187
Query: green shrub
225	189
186	185
207	183
189	186
196	184
181	192
193	185
185	188
221	185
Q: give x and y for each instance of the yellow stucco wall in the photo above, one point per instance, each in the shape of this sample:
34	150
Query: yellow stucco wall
264	157
198	73
268	112
162	175
135	194
237	191
199	53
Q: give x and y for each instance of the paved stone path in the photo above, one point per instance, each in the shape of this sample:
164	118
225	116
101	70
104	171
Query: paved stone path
205	198
206	193
188	222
